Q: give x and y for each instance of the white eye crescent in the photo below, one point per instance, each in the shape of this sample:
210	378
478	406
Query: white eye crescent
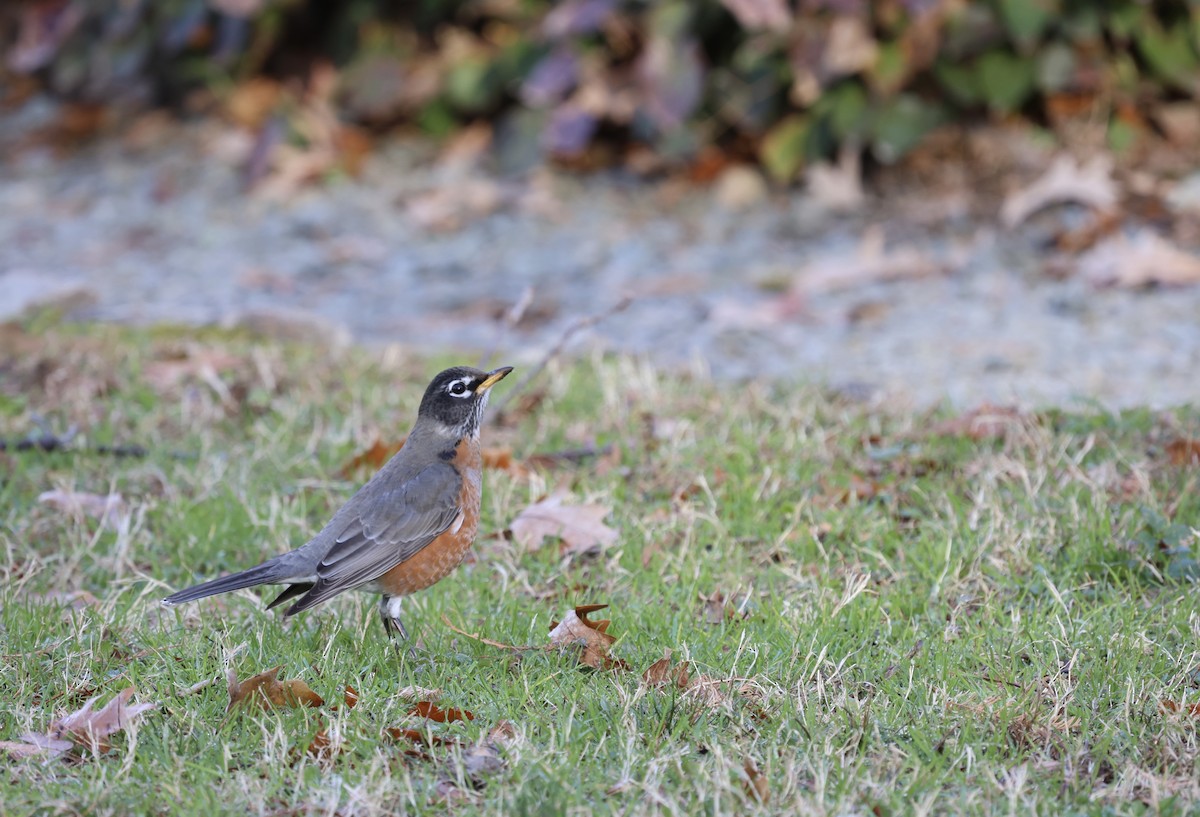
458	388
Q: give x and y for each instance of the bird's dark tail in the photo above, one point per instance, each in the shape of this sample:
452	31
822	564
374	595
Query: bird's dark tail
263	574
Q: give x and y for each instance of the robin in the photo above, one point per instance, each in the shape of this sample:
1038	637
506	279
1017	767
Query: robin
403	531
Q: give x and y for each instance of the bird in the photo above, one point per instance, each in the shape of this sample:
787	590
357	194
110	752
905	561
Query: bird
404	530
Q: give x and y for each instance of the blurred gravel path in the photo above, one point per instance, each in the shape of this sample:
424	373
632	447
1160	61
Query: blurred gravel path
164	232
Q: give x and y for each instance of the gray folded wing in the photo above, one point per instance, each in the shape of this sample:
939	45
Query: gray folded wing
387	526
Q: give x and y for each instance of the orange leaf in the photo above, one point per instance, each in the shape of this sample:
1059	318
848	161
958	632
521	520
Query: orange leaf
266	690
418	737
431	711
1184	452
351	697
375	456
324	748
1167	705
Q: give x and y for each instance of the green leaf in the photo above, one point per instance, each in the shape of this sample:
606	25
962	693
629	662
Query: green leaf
1005	80
1126	20
437	119
900	124
891	69
469	85
1169	53
959	83
1121	135
847	110
1026	20
1083	25
782	149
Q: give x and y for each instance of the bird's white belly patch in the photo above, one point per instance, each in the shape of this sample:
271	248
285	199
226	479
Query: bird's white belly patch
458	522
393	606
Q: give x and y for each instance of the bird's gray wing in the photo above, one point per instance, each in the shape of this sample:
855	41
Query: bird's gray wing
393	524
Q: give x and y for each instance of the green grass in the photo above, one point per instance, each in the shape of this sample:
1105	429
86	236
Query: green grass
984	626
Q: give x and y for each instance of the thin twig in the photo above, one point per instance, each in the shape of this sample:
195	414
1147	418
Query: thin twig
556	349
482	640
511	319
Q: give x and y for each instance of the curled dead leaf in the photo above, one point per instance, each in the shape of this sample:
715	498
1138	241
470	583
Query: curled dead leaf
662	673
267	691
756	781
430	711
1183	452
593	636
1089	183
374	457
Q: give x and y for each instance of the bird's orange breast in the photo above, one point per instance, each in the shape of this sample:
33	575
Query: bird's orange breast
436	560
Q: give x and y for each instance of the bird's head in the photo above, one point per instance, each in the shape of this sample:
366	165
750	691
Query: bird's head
456	398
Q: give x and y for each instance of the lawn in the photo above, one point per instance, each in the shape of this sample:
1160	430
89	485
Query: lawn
876	611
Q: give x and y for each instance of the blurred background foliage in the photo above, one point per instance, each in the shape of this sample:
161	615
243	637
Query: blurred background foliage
651	83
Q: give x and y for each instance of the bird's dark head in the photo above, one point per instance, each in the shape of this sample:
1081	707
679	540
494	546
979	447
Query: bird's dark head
456	398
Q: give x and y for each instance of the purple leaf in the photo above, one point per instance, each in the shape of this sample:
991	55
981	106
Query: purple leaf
569	131
577	17
551	79
44	27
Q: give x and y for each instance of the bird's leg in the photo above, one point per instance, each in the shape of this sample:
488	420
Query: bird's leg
389	612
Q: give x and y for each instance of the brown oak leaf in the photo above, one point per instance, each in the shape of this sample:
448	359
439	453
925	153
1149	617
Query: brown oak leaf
593	636
580	527
83	727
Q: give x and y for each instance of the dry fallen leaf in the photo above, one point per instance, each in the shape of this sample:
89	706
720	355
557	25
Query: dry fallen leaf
430	711
373	457
378	453
1167	705
193	363
1183	452
576	629
837	187
581	527
716	608
756	782
982	423
111	510
267	691
84	728
871	262
1143	259
1089	183
661	673
449	207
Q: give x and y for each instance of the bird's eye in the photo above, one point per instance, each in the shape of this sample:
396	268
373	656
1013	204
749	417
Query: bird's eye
458	388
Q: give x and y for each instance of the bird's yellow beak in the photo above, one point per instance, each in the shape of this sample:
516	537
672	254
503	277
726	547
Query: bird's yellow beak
494	377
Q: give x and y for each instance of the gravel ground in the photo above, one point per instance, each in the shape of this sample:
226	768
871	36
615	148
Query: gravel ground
429	255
